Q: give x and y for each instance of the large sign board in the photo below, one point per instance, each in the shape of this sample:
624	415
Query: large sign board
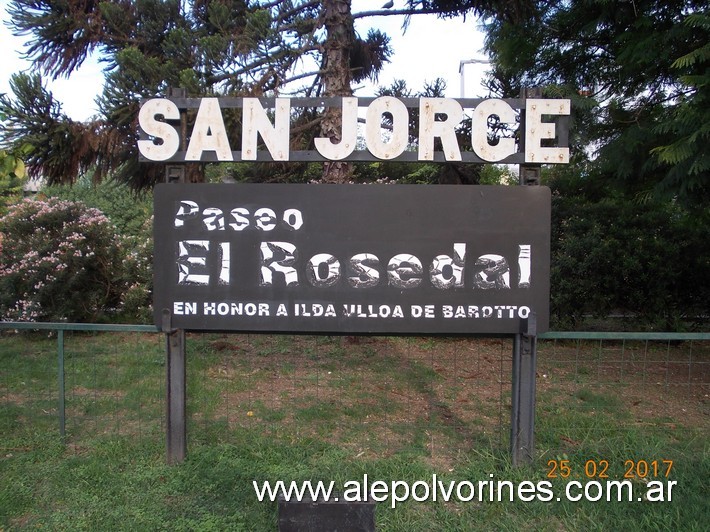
394	259
372	129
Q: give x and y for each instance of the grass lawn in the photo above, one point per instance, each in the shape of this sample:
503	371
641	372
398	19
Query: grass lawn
335	409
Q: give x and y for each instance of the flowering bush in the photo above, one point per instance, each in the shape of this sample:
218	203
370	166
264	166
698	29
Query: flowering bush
59	261
137	297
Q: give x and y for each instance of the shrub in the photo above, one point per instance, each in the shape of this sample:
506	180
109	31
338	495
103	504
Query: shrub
132	217
126	210
137	298
649	261
59	261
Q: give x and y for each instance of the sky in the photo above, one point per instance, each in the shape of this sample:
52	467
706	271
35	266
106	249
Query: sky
429	48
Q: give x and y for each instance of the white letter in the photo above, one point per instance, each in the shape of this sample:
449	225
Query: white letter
265	219
524	266
567	490
654	491
362	270
167	135
403	271
429	128
336	151
491	271
479	130
405	495
352	491
255	121
326	264
241	221
293	218
225	263
400	127
447	272
209	133
282	264
536	130
213	219
187	261
188	209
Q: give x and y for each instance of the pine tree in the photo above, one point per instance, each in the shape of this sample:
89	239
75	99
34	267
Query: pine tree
224	47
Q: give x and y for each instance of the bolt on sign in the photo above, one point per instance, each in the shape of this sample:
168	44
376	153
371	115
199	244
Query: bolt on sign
166	137
397	259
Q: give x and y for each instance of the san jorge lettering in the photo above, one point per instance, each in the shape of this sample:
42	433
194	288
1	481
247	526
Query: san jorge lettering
207	262
209	138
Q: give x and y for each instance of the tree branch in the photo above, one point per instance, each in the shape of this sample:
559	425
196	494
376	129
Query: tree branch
389	12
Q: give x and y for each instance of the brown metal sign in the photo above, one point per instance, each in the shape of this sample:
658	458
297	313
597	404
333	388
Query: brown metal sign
390	259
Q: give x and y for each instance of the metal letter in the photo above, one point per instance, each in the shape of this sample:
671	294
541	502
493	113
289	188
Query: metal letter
336	151
209	133
161	131
276	135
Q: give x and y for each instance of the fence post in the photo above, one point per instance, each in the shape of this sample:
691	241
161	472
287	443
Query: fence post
60	380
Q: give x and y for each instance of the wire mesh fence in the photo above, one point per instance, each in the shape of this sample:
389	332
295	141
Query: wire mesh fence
80	385
372	395
648	383
441	397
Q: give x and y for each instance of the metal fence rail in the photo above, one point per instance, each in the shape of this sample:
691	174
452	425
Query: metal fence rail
74	383
83	381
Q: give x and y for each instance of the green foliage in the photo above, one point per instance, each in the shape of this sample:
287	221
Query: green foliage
686	123
496	174
52	146
645	66
12	178
126	210
58	262
137	276
131	215
230	48
610	255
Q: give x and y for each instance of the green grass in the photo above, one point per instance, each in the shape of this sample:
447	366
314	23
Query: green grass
274	408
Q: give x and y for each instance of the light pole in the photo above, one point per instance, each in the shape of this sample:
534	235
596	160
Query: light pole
469	62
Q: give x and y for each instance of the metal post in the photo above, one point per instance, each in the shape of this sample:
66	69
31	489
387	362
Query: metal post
176	396
176	386
522	427
60	379
461	70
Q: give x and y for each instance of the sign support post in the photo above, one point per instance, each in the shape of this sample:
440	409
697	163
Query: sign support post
175	373
522	430
175	389
522	426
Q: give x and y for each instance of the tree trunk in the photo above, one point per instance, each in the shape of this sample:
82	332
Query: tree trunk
340	32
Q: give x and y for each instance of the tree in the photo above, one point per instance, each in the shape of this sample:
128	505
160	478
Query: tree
638	72
648	261
217	47
12	173
224	47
